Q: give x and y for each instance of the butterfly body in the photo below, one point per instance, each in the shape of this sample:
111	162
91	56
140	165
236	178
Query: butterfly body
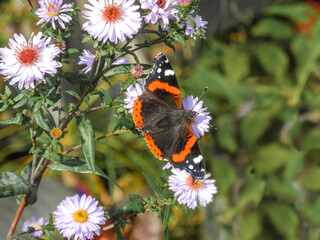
159	113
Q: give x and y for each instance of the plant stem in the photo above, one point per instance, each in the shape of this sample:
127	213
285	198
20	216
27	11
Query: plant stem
17	216
65	124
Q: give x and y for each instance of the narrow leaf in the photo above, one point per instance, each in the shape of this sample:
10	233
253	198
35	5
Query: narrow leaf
38	116
76	165
88	141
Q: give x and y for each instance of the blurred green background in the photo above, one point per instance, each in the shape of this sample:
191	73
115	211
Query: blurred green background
261	65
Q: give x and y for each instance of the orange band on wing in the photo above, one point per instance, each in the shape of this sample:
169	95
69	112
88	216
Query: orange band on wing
136	113
152	146
165	86
180	157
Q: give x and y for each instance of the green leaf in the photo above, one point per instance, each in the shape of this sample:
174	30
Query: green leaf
256	123
166	216
21	103
123	122
108	97
251	193
250	226
134	206
224	174
310	178
115	70
78	166
272	58
73	93
293	167
235	62
88	141
72	50
273	28
312	212
283	218
37	106
179	38
86	39
312	139
54	156
39	117
226	139
295	12
16	120
270	158
12	184
153	184
26	174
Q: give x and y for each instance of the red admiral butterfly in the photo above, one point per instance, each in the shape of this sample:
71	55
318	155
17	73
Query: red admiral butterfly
159	113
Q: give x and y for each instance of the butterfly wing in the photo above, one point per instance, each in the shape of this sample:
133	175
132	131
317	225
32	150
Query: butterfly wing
158	113
163	83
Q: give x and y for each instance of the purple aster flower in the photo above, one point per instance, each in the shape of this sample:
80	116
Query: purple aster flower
87	58
161	10
190	191
132	93
112	20
53	10
200	26
36	224
79	217
27	62
200	123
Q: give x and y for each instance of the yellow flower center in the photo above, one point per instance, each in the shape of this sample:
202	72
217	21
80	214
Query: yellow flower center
193	184
80	216
56	132
52	11
36	226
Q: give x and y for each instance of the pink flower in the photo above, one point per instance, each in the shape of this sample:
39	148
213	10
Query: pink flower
137	71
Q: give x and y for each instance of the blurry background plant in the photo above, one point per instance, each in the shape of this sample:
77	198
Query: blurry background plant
263	78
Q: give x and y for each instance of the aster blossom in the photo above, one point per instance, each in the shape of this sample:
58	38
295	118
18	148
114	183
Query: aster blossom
26	62
200	123
160	11
79	217
200	26
87	58
132	92
112	20
190	191
53	10
36	224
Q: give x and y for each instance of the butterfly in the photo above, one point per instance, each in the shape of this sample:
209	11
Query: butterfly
158	112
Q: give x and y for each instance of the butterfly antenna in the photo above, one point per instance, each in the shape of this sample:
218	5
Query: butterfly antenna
204	90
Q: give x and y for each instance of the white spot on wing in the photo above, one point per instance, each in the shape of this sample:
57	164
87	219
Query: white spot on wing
159	70
197	159
168	72
190	167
